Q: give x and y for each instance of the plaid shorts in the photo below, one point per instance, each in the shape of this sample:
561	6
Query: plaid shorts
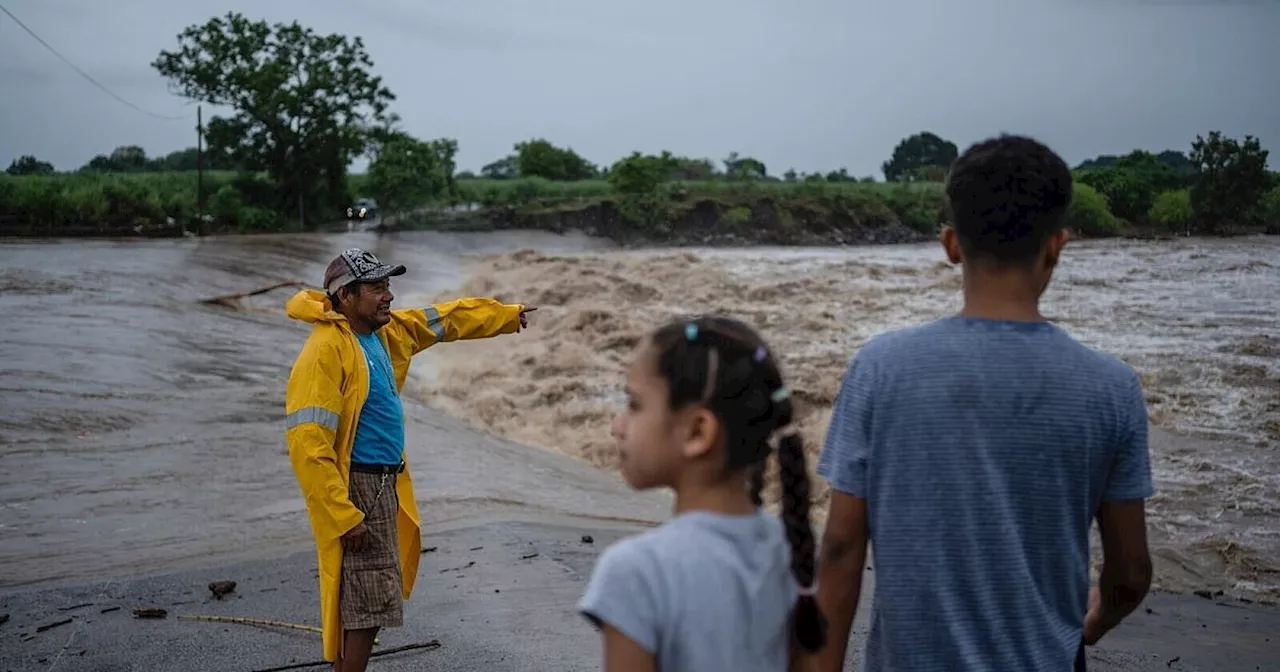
371	595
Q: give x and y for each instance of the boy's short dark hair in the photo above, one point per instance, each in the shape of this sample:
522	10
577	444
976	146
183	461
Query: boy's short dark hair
1006	197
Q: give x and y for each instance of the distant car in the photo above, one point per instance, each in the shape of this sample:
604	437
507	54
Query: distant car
365	208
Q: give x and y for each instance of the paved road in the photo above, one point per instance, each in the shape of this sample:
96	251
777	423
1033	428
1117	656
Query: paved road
498	596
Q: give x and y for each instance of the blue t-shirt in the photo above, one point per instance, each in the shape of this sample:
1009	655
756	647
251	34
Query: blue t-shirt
983	449
380	431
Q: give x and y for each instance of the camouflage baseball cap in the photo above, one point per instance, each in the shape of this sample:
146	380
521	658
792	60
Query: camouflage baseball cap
357	265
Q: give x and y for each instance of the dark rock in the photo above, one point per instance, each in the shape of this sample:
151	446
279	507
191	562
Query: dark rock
221	588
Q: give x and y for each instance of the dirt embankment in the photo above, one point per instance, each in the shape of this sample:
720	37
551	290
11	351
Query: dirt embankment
716	223
704	222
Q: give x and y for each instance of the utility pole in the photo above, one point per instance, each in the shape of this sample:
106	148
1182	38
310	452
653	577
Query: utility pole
302	213
200	167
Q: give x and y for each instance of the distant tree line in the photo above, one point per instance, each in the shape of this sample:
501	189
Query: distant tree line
304	105
129	159
1221	185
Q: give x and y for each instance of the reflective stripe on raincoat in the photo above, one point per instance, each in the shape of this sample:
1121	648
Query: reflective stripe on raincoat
327	388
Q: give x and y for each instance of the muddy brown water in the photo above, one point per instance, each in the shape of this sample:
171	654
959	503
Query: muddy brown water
141	429
1199	319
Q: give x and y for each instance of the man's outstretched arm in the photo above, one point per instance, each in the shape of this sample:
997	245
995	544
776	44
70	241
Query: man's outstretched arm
457	320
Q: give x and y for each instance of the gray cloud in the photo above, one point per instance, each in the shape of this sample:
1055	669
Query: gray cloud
810	84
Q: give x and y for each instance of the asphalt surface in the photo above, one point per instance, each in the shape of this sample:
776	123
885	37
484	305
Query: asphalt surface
497	596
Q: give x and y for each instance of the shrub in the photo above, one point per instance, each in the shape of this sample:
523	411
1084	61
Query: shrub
738	215
918	206
1128	193
1172	210
1088	213
1269	209
638	174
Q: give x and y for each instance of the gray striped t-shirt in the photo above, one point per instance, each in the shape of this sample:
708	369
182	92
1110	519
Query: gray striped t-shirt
983	449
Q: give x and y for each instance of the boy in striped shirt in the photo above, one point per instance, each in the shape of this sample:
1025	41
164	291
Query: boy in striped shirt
975	451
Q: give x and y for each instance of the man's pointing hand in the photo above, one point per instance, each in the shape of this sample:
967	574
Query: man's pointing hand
524	316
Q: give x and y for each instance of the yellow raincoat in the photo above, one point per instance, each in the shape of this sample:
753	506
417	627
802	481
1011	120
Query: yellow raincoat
326	390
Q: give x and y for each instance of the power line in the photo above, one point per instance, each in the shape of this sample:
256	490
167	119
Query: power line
84	74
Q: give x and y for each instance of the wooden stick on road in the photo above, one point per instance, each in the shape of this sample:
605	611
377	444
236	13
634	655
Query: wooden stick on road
251	621
259	622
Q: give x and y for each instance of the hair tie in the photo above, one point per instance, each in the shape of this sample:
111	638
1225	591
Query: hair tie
780	394
691	332
761	353
808	591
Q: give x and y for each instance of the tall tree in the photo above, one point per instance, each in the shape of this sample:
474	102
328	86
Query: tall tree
744	167
1231	178
540	158
29	165
502	169
409	172
303	103
917	152
129	159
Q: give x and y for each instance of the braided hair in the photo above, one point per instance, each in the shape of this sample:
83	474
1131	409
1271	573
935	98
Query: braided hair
723	364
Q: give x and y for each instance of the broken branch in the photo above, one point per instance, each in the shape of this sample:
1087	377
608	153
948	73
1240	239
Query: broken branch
230	299
251	621
258	621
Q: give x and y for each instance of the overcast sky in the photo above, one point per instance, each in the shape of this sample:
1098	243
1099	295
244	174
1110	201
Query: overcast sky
809	84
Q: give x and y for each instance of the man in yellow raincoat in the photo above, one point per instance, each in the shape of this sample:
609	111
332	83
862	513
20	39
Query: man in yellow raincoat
345	430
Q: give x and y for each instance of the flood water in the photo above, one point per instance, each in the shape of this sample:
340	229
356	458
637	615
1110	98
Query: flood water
142	429
1198	319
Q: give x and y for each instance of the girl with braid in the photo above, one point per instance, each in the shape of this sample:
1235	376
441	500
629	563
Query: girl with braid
722	585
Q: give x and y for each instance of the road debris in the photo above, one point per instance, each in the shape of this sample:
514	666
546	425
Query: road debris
150	612
221	588
50	626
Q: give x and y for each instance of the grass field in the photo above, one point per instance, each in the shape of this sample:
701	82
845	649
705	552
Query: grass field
118	203
505	192
52	203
